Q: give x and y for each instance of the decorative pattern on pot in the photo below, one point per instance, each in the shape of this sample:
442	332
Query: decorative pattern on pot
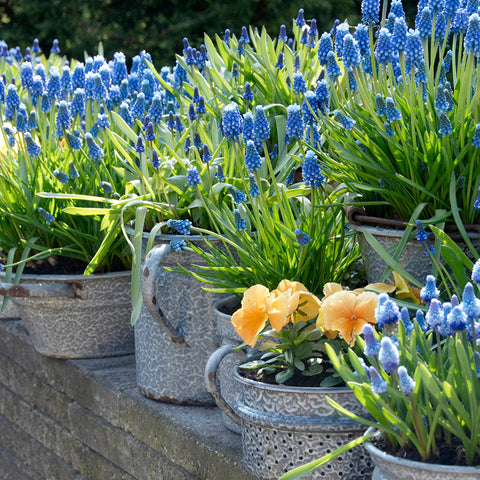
176	340
284	427
73	316
388	467
218	372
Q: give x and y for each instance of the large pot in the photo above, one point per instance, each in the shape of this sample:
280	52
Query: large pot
284	427
73	316
176	338
413	258
388	467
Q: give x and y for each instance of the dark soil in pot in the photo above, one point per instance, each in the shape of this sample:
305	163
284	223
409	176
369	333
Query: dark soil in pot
445	454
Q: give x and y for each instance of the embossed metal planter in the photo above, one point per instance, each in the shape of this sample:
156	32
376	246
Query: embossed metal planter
388	467
174	342
412	259
285	427
73	316
218	372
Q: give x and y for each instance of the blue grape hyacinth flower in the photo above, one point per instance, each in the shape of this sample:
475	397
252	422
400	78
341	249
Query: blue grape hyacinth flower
193	177
180	226
302	238
232	121
47	216
311	172
253	161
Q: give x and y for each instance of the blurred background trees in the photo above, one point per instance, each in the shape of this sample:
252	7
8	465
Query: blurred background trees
157	26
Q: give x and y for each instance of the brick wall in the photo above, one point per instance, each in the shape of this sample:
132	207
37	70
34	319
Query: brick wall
85	419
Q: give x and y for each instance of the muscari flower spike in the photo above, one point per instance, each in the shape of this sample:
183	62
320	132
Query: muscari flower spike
435	314
346	122
311	172
399	35
351	56
392	111
420	319
193	177
380	106
155	160
324	46
206	155
430	290
372	345
254	190
460	21
74	141
300	20
333	70
62	177
470	303
180	226
302	238
388	355
253	161
407	384
280	61
379	385
445	125
291	178
232	121
240	223
425	23
457	320
238	195
94	151
220	176
33	149
261	127
294	124
387	312
405	319
178	246
47	217
299	86
341	31
370	11
247	94
388	129
248	133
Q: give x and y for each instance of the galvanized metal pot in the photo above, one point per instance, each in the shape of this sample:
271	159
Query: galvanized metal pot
73	316
388	467
284	427
174	342
218	371
412	259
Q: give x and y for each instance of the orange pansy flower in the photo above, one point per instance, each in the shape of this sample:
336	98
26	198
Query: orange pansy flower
347	313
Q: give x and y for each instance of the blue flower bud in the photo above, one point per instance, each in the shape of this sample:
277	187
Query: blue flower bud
384	49
178	245
240	223
303	239
405	318
324	46
372	345
180	226
193	177
300	20
247	94
280	60
62	177
94	151
379	385
238	195
47	217
344	120
407	384
220	176
392	111
445	125
434	316
333	69
430	290
261	127
254	190
425	23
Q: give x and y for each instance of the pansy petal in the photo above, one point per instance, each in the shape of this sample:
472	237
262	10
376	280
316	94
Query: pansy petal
365	306
331	288
278	310
248	323
308	307
255	297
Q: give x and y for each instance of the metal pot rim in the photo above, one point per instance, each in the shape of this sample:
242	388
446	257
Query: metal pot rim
287	388
167	237
71	278
432	467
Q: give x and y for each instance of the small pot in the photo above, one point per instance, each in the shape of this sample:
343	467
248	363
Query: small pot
388	467
284	427
73	316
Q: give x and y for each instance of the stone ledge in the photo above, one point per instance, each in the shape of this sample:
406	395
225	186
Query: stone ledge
90	415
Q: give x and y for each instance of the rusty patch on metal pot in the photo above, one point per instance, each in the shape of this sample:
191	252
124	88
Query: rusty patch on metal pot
18	291
146	272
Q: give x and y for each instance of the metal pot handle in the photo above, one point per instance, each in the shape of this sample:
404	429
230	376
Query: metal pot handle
26	290
149	273
213	388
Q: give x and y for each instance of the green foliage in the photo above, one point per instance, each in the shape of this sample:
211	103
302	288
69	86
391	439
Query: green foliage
152	25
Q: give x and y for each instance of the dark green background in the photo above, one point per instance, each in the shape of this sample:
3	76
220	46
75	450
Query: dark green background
152	25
